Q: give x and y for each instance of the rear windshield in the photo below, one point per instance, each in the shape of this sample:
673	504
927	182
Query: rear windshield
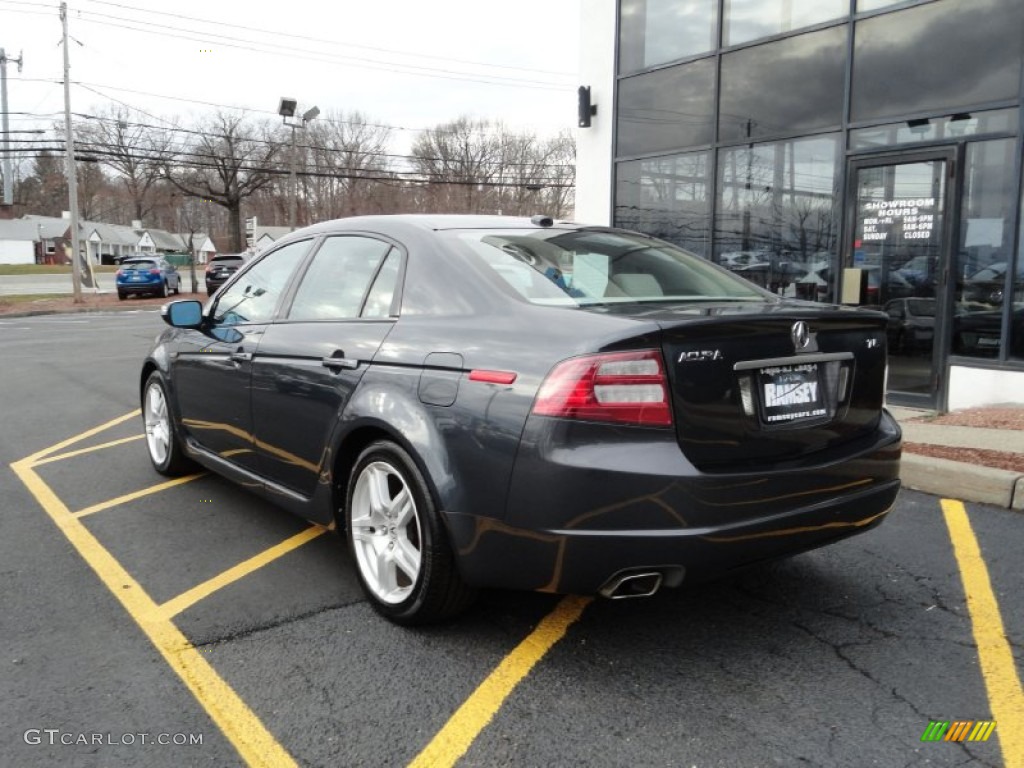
139	264
227	260
585	267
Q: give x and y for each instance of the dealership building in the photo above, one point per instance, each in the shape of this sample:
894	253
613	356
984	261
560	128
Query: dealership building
858	151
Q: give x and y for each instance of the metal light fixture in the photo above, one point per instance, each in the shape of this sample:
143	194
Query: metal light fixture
286	108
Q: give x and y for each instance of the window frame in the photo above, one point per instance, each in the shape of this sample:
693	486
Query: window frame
396	248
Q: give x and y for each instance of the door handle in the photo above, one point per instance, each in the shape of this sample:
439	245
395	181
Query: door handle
241	357
338	361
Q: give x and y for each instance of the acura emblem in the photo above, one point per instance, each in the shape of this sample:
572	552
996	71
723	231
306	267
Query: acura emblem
800	334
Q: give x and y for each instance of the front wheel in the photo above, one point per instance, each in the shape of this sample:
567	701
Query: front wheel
402	555
162	440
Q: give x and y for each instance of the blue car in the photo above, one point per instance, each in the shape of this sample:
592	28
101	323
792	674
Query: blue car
147	274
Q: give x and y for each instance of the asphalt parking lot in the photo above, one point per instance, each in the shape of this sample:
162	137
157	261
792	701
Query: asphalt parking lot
138	611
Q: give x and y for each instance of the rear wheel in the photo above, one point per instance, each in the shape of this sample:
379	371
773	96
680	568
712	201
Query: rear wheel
162	441
162	293
402	555
121	295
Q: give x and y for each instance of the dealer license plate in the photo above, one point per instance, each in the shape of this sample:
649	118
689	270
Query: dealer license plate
791	393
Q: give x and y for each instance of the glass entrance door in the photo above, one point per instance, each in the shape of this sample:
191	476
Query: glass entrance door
900	236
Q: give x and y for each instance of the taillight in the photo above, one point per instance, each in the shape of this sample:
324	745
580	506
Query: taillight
119	273
154	271
624	387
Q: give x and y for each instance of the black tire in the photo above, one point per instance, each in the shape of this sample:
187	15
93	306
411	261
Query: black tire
177	287
171	460
162	293
437	592
121	295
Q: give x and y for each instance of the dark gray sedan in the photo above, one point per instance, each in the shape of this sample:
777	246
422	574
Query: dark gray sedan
499	402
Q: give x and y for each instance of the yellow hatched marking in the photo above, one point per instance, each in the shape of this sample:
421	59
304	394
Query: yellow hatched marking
138	494
30	460
176	605
240	725
998	666
479	709
90	449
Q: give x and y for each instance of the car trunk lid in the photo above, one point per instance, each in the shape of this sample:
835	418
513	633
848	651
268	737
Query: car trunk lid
759	383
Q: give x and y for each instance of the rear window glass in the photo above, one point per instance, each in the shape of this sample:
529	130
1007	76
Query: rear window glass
584	267
140	264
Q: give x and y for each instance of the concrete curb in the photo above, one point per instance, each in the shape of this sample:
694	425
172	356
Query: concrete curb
82	311
967	482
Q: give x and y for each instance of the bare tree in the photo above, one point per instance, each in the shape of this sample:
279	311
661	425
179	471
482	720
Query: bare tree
460	161
345	158
130	148
230	159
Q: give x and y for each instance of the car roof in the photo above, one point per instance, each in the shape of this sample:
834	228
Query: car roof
427	221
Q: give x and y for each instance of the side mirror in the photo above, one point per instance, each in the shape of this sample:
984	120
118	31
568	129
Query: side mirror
183	314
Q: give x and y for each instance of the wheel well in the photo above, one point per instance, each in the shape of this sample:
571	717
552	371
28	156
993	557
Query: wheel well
147	369
348	453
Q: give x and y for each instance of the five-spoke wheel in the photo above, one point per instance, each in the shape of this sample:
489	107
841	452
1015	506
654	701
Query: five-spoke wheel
400	548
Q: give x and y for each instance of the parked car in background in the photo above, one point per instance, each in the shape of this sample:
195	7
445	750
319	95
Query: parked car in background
476	401
220	268
987	284
911	325
151	275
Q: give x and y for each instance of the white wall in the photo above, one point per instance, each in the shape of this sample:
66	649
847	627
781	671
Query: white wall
594	144
971	387
17	252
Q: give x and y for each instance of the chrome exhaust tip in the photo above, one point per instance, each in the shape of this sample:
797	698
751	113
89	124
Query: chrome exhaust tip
632	584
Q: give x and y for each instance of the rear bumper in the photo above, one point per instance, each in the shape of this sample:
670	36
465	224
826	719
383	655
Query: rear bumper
601	522
139	287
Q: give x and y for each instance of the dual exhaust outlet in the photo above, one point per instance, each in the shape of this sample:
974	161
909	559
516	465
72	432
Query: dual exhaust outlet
628	584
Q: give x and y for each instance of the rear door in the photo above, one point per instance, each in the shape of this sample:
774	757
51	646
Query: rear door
311	360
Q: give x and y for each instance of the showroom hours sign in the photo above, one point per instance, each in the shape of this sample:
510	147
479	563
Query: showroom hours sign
893	221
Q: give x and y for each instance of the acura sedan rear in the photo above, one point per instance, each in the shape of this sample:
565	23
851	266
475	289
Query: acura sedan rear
494	402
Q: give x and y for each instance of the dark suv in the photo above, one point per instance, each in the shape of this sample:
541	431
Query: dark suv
221	268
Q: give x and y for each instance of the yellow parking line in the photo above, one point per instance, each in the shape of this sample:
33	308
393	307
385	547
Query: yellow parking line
90	449
240	725
176	605
137	494
997	663
479	709
79	437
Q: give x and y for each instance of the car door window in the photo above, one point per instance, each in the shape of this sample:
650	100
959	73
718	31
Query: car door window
337	281
253	297
381	296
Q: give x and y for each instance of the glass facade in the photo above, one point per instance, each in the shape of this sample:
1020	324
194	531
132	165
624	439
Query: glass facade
667	109
933	56
668	197
744	127
766	90
776	221
750	19
653	32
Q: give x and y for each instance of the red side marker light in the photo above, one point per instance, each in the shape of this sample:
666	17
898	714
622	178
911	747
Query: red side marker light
493	377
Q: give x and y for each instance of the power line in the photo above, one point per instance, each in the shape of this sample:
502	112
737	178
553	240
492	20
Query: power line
308	38
358	174
249	45
312	147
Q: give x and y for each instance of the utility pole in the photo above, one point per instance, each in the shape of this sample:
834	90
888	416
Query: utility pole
8	178
69	142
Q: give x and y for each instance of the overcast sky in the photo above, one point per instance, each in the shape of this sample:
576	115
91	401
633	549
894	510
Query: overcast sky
405	63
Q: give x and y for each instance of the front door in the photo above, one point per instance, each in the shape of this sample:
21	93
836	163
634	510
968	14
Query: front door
899	216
